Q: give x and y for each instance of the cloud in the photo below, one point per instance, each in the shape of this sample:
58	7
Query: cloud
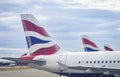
14	1
118	29
10	20
13	49
7	17
92	33
12	52
91	4
65	20
112	5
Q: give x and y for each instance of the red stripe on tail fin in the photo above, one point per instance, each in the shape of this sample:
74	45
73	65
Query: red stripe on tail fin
38	40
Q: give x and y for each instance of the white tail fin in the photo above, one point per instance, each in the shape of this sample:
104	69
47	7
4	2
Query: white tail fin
89	46
107	48
38	40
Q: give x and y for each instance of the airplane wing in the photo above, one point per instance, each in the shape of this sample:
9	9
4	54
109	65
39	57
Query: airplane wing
25	61
96	69
92	68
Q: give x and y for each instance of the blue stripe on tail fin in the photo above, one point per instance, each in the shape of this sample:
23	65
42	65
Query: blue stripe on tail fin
38	40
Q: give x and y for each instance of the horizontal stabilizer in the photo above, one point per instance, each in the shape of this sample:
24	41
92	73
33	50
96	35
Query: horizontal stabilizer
25	61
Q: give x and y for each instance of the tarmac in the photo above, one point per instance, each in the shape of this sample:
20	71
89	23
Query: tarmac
27	73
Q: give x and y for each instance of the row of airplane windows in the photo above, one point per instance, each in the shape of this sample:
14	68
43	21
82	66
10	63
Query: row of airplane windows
110	61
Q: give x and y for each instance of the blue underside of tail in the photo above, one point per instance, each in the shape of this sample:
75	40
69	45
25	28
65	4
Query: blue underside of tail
33	40
87	49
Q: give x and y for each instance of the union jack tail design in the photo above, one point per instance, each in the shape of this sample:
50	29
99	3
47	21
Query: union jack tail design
89	46
38	40
107	48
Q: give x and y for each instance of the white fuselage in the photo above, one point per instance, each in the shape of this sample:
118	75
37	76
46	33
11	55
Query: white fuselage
88	59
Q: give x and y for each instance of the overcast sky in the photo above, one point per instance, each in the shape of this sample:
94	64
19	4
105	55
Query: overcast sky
64	20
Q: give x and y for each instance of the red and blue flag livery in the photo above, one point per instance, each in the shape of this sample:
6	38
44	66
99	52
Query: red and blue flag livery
107	48
89	46
45	54
38	41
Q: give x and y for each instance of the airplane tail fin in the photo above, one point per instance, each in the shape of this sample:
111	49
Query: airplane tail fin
89	46
38	40
107	48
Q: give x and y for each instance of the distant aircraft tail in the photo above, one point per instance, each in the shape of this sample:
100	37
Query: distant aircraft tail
107	48
89	46
38	40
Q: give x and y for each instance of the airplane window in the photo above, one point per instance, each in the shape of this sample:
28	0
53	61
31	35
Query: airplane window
98	61
102	62
106	61
86	61
94	61
114	61
90	61
118	61
79	62
110	61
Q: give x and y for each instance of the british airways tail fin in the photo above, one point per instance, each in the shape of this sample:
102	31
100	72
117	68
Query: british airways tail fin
89	46
38	40
107	48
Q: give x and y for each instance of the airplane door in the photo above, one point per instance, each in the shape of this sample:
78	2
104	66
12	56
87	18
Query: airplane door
62	60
